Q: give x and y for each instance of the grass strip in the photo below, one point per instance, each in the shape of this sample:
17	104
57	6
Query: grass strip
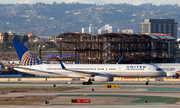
156	88
151	100
38	88
140	83
16	82
22	100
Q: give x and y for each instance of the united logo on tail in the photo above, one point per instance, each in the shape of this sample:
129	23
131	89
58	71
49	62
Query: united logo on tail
25	56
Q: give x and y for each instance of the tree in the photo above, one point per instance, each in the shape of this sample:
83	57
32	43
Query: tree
27	44
5	37
17	38
24	39
31	42
42	41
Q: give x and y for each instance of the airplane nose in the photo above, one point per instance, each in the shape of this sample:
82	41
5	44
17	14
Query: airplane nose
163	74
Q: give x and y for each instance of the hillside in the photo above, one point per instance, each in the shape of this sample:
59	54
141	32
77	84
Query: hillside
54	19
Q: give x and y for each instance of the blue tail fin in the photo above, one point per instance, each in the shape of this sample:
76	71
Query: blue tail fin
25	56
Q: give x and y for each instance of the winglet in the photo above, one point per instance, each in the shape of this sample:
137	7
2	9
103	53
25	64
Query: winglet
63	67
77	62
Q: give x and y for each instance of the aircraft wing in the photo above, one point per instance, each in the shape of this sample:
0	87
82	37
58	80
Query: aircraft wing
24	68
28	69
83	73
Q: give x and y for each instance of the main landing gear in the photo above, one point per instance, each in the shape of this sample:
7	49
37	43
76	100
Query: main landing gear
87	83
147	82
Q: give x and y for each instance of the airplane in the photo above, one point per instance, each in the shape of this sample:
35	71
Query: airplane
91	72
172	69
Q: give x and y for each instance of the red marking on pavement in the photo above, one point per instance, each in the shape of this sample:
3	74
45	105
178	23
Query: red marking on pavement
82	100
16	91
1	93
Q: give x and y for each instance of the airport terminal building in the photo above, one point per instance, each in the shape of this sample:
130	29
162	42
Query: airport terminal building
109	48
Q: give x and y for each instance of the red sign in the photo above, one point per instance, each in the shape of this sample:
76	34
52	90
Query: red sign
82	100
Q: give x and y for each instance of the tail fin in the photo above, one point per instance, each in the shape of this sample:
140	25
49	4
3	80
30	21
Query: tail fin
25	56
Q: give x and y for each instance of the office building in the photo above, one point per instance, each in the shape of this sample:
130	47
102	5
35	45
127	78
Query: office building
137	28
110	28
85	30
163	26
91	29
100	31
128	31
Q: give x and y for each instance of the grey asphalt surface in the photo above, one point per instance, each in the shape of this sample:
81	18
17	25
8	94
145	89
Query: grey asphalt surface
89	106
127	89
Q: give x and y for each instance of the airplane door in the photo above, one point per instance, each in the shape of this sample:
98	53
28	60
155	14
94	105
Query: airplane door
150	69
121	70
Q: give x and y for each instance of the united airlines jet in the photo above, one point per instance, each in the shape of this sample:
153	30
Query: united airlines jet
91	72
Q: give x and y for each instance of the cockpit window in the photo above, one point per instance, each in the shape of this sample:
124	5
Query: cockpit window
159	69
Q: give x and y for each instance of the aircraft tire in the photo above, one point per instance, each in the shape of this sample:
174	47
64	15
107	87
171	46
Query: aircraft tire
87	83
147	83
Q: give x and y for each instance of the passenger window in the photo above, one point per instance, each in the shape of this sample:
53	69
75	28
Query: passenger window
158	69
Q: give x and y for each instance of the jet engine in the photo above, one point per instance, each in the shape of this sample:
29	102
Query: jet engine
102	78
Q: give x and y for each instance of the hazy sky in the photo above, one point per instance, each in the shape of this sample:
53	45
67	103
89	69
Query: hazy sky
135	2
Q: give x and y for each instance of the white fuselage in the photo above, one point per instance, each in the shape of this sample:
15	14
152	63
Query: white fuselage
121	70
170	68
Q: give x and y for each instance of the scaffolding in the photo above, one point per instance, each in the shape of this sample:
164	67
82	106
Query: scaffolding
109	48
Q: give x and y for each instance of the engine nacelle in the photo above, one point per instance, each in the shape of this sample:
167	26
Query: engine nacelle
104	78
101	78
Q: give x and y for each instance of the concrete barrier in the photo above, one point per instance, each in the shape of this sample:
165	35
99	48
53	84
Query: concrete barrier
82	79
59	79
171	79
117	78
52	79
65	79
3	79
152	79
129	79
25	79
142	79
37	79
13	79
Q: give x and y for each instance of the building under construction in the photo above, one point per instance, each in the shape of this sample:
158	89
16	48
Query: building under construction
109	48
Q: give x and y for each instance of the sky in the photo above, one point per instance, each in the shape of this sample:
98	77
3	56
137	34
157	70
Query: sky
134	2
